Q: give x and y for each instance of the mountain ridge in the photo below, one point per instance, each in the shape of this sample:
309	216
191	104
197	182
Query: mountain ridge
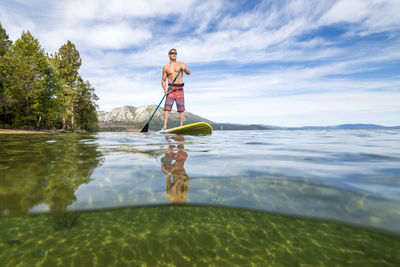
346	126
130	118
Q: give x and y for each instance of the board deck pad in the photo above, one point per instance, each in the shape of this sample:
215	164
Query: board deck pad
198	128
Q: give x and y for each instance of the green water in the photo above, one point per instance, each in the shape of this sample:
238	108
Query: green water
189	236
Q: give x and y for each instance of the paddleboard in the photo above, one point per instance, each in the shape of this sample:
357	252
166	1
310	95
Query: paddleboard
198	128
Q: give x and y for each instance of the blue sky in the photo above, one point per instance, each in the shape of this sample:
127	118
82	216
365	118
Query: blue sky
287	63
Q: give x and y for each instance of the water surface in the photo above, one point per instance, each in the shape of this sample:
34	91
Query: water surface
347	179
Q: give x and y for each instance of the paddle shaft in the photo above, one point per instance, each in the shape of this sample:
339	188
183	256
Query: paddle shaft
146	127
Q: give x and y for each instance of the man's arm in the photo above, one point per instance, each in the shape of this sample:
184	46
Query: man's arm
185	69
163	79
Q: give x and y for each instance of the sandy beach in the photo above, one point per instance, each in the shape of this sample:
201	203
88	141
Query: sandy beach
11	131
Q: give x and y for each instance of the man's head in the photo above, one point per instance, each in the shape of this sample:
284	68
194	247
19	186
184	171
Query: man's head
172	53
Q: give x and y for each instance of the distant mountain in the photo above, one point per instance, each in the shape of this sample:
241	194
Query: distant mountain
337	127
133	118
130	118
363	126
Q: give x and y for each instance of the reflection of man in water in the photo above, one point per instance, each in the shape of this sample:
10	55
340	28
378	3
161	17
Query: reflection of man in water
172	164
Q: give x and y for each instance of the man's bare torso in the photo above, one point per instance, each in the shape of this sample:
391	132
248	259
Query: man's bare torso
172	69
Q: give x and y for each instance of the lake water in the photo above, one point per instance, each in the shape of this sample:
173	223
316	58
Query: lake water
246	198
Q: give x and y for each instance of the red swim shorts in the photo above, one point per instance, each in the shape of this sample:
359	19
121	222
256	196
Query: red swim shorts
175	94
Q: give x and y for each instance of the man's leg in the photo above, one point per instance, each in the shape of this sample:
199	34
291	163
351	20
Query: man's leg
180	105
181	117
166	116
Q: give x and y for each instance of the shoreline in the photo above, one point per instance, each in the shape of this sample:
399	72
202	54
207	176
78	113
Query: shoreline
16	131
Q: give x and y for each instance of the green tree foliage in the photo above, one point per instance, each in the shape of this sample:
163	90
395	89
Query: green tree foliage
29	84
85	106
40	91
68	62
5	44
78	97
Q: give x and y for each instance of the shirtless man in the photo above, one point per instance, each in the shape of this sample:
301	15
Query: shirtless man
175	94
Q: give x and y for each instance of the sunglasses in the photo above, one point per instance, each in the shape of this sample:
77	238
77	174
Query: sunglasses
173	53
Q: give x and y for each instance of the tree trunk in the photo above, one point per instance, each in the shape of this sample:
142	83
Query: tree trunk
38	122
73	118
64	123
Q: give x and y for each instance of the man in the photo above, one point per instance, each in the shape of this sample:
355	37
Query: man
175	94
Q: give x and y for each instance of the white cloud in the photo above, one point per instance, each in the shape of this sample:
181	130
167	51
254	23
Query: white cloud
102	10
300	110
370	15
100	36
15	24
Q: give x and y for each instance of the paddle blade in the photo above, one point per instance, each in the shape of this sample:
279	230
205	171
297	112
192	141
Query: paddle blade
145	128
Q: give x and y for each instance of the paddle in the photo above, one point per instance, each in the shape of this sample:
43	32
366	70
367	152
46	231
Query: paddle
146	127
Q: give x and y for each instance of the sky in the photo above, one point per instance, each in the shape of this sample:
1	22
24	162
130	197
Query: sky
282	63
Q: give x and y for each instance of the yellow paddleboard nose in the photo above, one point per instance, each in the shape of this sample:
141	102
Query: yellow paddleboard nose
198	128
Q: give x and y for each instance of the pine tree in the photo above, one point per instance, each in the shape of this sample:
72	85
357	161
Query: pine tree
5	44
68	62
85	106
30	84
